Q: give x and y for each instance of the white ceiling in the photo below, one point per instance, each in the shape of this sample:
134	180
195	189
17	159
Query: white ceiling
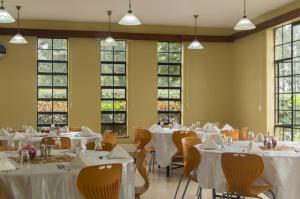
212	13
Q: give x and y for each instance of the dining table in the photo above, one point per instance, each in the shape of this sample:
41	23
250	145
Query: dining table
49	180
35	138
281	167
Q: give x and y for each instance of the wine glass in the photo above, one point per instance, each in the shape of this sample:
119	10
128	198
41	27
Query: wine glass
25	159
250	135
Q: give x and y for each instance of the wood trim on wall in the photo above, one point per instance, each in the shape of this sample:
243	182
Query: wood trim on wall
153	37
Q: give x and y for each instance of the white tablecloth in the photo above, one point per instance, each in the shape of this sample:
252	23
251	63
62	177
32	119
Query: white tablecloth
281	170
46	181
35	139
164	146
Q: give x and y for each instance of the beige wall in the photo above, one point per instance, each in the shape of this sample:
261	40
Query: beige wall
208	83
17	84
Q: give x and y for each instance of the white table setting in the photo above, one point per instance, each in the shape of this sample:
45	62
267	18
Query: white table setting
281	165
56	176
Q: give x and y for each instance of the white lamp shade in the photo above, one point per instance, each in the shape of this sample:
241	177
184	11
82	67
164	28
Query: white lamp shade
130	20
18	39
5	17
110	41
195	45
244	24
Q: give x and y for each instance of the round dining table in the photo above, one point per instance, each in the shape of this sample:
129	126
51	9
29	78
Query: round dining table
281	168
165	149
48	181
35	139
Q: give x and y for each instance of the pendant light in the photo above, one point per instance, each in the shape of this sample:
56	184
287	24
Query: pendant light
130	19
5	17
195	44
244	23
109	39
18	38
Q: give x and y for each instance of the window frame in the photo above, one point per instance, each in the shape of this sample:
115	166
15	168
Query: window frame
52	87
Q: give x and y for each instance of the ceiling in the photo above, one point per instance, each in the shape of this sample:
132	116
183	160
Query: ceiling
212	13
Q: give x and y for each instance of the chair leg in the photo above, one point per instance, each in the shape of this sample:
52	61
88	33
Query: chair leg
273	194
187	184
150	162
200	193
178	187
153	163
213	193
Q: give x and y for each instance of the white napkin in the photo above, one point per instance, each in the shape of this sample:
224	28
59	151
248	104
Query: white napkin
118	153
207	126
218	139
19	136
253	148
259	138
227	127
86	132
6	165
209	144
79	161
4	132
214	129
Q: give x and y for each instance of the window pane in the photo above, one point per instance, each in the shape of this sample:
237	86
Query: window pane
163	105
60	80
120	81
59	118
44	43
106	68
278	52
120	93
106	80
175	57
297	101
60	68
44	80
163	117
163	57
119	118
44	93
106	118
45	67
163	69
174	69
285	84
285	117
297	83
278	36
60	44
120	46
175	117
60	106
296	33
119	56
44	106
175	47
297	132
162	46
285	101
119	69
60	55
297	118
296	65
120	106
163	93
174	106
163	81
296	49
120	129
44	118
174	94
287	51
174	81
107	93
44	54
106	56
287	33
107	105
285	68
60	93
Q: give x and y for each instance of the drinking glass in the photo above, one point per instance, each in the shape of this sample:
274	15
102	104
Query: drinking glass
25	159
250	135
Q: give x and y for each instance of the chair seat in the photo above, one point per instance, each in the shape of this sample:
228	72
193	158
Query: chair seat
150	149
177	158
140	190
256	190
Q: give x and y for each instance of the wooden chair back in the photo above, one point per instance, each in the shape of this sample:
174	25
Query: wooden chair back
109	141
102	181
177	139
48	141
141	156
233	134
191	156
75	129
142	138
241	171
65	142
244	134
90	146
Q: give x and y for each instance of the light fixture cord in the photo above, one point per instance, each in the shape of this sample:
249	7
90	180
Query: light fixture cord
129	5
109	23
2	4
244	7
195	30
18	8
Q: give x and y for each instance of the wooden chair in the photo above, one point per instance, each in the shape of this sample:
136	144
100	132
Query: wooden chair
191	161
241	171
234	134
48	141
90	146
75	129
141	167
244	134
177	159
100	182
142	137
109	141
65	142
5	148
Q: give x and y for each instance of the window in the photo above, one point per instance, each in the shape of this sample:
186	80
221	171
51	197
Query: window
113	88
169	82
52	80
287	82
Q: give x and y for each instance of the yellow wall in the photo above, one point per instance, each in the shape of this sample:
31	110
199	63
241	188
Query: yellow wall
17	84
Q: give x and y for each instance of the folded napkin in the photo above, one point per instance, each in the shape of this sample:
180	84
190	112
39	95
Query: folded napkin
218	139
86	132
209	144
207	126
155	128
227	127
118	153
4	132
259	138
253	148
214	129
6	165
79	161
19	136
